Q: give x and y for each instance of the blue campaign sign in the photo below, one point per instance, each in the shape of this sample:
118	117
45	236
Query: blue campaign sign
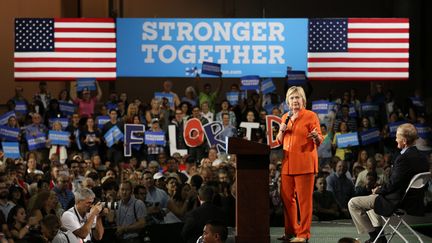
296	77
161	95
5	117
250	82
232	97
320	107
157	138
423	131
67	108
11	150
352	112
101	120
393	127
369	109
36	142
59	137
146	46
347	139
267	86
9	133
112	136
63	121
211	68
89	83
370	136
20	107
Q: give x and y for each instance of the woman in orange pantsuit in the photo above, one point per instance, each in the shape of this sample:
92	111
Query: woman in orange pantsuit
300	135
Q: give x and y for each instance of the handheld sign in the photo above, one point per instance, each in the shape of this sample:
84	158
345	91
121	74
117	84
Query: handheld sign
63	121
157	138
296	77
369	109
9	133
393	127
86	83
133	136
101	120
267	86
11	150
5	117
347	139
250	82
112	136
209	68
423	131
320	107
20	107
67	108
36	142
59	137
160	95
233	98
370	136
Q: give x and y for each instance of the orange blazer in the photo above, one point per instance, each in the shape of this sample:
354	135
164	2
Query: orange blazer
300	152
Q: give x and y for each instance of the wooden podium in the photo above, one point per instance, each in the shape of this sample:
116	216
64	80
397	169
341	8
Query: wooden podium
252	181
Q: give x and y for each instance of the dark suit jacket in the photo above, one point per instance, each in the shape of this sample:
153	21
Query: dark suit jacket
196	219
403	170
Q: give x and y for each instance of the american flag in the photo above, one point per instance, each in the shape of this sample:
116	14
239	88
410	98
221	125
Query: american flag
64	48
358	49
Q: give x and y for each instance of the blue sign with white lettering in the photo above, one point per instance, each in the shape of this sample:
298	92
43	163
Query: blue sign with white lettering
320	106
211	68
267	86
146	46
67	108
59	137
369	109
112	136
393	127
5	117
347	139
370	136
232	97
36	142
160	95
20	107
157	138
101	120
423	131
11	150
86	83
250	82
63	121
9	133
296	77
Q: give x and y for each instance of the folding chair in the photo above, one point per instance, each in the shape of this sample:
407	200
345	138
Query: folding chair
417	182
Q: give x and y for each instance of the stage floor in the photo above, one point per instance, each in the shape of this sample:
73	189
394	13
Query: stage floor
332	231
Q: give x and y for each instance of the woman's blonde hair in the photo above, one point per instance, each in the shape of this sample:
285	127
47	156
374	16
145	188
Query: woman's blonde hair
296	89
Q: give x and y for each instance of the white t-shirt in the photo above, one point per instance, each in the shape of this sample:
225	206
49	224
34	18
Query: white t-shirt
65	237
72	221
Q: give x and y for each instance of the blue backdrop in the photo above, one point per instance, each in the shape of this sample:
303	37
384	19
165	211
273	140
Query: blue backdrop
174	47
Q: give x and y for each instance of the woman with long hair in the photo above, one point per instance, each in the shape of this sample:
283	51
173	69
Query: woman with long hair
90	139
19	226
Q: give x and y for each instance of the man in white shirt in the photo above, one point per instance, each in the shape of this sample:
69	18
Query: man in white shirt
84	219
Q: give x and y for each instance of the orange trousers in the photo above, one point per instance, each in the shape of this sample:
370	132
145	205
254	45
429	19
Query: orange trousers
296	194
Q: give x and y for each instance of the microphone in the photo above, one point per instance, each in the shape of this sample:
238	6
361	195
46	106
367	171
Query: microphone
288	117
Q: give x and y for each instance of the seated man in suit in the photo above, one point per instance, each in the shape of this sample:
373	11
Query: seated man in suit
196	219
384	200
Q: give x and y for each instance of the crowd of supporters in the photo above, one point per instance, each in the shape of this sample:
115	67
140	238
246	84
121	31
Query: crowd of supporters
91	192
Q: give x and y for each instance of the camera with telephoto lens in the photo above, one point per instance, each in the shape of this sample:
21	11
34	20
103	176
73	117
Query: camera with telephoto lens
110	205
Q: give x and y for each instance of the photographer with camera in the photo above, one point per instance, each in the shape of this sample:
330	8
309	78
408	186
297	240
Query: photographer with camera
84	219
130	215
